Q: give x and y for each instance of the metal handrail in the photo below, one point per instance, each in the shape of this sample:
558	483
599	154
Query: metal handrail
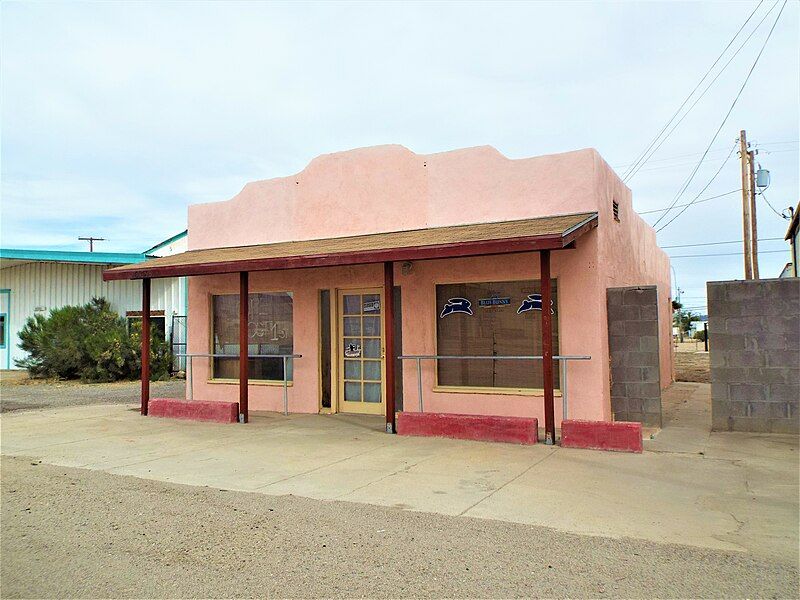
563	360
285	358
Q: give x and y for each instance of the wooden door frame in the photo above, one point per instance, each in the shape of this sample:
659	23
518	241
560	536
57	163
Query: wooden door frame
337	399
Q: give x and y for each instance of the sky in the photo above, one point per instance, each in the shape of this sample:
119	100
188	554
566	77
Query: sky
116	116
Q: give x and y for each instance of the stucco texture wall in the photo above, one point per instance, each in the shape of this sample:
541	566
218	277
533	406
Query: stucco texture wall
389	188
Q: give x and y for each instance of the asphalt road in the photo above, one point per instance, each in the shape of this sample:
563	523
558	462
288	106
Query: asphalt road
77	533
21	394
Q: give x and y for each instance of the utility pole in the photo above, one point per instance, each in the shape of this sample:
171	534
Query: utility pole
744	156
91	241
753	222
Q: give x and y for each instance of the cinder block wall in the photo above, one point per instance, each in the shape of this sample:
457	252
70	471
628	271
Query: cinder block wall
754	342
633	348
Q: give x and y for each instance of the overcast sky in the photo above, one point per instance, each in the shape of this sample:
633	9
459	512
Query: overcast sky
116	116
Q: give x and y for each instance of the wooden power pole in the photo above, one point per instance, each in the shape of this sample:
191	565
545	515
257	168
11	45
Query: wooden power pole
744	155
753	221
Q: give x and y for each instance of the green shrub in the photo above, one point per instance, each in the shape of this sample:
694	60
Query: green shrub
90	342
700	335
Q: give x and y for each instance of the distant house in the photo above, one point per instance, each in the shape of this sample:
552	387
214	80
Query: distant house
793	237
37	281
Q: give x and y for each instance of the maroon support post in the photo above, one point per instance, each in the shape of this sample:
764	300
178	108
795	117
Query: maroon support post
145	345
388	339
243	346
547	350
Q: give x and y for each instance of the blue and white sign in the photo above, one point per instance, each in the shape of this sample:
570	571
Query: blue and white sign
456	305
532	302
494	301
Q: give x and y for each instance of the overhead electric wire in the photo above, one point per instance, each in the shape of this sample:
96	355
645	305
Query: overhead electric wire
715	150
781	215
719	243
728	254
703	93
655	210
625	176
691	177
724	120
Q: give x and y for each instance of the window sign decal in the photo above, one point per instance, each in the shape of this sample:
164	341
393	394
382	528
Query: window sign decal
372	306
352	351
533	302
495	300
456	305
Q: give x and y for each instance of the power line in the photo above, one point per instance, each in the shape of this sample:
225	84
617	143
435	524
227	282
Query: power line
715	150
781	215
625	175
720	243
708	87
689	180
655	210
728	114
728	254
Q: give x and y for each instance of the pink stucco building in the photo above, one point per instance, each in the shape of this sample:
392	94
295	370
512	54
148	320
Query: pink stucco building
376	252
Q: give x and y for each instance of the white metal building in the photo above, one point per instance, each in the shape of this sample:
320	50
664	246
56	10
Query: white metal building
37	281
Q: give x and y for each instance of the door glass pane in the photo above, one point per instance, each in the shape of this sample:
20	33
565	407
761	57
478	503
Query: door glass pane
352	348
372	392
352	392
372	326
352	369
352	325
372	348
352	304
371	304
372	370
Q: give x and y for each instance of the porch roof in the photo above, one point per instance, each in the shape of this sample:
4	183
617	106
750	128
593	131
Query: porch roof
525	235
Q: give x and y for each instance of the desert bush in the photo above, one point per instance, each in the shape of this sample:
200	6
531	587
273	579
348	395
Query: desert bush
90	342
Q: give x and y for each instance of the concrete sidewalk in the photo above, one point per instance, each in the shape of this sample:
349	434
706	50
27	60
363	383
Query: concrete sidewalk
727	491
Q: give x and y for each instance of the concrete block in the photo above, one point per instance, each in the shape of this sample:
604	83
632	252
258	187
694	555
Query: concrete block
641	328
744	358
748	392
619	389
614	297
789	359
785	426
623	313
723	341
653	406
639	297
644	389
616	328
720	391
648	344
650	374
642	359
635	405
783	392
649	313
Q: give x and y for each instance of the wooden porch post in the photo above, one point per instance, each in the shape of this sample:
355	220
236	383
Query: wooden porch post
243	346
547	349
145	345
388	337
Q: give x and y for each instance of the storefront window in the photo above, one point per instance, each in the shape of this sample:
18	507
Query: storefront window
269	331
501	318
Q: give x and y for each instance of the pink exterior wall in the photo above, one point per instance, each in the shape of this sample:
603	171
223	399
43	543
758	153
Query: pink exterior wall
389	188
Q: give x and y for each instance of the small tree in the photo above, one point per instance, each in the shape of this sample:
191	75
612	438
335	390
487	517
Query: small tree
90	342
683	320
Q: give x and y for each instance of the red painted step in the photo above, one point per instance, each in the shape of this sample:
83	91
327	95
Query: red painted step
194	410
621	436
513	430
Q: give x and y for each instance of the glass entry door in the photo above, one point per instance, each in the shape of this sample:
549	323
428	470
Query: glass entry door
361	352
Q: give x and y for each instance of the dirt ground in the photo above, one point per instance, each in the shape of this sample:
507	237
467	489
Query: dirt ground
691	363
17	392
77	533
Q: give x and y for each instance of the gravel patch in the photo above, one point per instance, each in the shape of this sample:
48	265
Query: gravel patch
76	533
26	394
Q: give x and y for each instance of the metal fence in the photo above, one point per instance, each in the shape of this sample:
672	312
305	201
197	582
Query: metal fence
562	360
286	358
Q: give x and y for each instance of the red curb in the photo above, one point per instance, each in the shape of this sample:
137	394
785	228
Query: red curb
512	430
620	436
218	412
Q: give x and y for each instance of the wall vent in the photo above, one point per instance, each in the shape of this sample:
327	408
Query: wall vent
615	207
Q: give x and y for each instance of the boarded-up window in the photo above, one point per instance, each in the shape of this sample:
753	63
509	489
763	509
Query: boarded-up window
269	331
502	318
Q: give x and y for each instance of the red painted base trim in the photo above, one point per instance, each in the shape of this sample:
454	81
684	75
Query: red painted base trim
621	436
219	412
513	430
